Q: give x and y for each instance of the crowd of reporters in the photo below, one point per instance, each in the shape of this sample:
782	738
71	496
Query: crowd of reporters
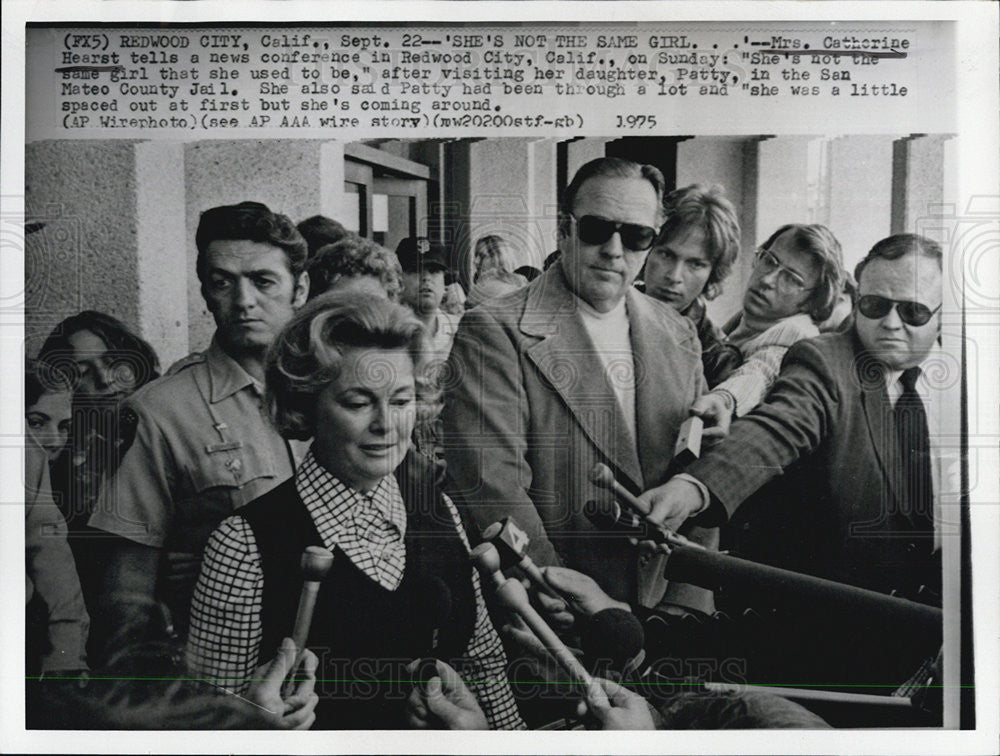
365	401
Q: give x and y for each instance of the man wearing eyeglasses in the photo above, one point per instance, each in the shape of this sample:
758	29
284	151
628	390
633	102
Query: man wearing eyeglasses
852	424
574	369
796	278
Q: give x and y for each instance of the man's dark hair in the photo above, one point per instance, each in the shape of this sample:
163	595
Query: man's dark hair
252	221
613	167
896	246
319	230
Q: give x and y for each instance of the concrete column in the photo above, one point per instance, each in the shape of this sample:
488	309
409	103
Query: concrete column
161	248
783	170
860	193
580	151
917	180
85	255
723	161
505	187
296	177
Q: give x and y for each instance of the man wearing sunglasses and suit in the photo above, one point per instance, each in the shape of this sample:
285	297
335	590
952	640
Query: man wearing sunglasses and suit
574	369
852	422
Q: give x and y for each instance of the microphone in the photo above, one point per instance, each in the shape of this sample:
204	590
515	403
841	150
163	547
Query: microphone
613	641
602	477
688	446
315	563
437	606
515	599
512	545
767	585
434	599
608	515
487	561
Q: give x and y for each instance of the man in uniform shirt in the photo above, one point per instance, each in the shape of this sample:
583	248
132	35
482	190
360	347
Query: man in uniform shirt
203	445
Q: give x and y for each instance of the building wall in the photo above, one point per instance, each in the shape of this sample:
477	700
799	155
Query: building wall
120	216
298	178
85	256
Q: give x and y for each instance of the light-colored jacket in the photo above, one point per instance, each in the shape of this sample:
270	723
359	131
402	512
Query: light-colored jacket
529	410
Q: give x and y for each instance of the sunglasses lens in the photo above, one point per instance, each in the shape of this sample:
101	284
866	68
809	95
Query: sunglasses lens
914	313
911	313
874	307
594	230
637	238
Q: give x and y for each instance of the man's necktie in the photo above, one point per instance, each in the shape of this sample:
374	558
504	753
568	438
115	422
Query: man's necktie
914	449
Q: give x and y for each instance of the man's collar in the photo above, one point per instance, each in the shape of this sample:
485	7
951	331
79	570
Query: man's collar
226	376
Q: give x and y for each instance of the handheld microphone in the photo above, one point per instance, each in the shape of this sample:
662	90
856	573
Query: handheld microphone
767	585
436	605
512	545
315	564
609	515
515	599
434	602
688	446
487	561
613	641
602	477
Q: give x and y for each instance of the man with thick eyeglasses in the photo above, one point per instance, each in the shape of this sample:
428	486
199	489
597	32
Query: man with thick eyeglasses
852	422
793	287
577	368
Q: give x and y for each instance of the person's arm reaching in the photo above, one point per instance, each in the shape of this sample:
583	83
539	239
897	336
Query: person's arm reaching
791	423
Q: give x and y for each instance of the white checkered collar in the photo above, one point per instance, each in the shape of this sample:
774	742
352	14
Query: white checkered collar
332	504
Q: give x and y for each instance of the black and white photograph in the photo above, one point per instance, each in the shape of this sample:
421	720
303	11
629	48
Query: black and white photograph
494	375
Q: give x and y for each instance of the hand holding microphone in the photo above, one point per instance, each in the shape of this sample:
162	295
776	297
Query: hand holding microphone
315	563
667	506
511	544
514	598
443	700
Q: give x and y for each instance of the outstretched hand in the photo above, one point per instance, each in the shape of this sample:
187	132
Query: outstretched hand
717	414
586	597
673	503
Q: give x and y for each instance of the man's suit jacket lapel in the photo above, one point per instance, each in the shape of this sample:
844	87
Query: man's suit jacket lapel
566	357
657	357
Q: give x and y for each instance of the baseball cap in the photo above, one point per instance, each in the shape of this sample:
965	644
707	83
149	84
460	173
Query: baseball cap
416	252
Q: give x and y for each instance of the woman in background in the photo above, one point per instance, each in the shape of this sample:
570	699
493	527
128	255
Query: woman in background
492	252
48	407
110	362
56	621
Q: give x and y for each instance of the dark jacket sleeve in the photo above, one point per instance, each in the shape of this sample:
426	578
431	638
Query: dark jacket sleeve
798	413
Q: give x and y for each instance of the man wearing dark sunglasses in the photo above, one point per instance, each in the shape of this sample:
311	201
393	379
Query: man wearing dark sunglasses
852	422
577	368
